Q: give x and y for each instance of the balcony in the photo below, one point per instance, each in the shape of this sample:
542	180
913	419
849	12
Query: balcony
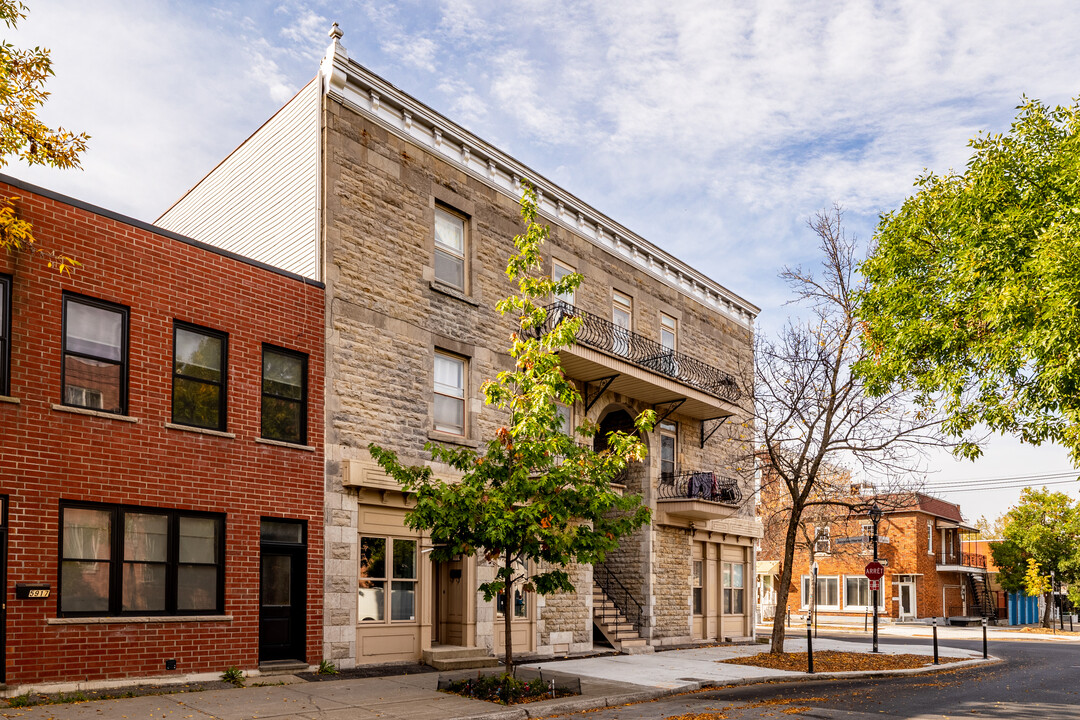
697	496
960	562
636	366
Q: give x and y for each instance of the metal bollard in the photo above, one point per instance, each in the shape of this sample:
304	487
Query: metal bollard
809	646
984	638
935	642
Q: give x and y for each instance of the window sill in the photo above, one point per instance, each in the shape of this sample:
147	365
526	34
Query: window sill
279	443
451	439
9	399
95	413
199	430
132	619
453	292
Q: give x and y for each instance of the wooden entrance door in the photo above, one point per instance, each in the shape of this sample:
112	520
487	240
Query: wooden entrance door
449	603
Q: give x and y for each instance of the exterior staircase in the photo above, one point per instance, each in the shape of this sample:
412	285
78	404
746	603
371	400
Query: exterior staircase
983	599
613	625
453	657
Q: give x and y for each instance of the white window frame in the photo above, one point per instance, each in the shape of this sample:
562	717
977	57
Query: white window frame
456	394
929	537
869	606
727	573
559	270
823	535
805	588
670	326
669	429
459	255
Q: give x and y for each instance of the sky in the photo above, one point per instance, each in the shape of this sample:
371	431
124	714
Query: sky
714	129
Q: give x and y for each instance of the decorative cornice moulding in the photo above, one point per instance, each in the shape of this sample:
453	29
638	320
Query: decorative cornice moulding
350	83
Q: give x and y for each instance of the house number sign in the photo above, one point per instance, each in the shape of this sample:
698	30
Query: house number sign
32	592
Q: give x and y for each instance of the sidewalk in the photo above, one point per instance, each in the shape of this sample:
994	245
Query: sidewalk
605	681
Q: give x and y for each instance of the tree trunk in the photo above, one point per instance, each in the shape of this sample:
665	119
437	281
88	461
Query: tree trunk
1046	620
782	591
508	612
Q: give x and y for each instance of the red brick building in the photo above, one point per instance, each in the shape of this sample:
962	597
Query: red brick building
927	572
161	461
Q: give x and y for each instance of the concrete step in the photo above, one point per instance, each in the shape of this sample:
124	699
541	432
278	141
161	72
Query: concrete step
452	657
282	667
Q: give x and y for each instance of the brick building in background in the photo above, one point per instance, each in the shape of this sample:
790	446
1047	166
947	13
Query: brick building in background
409	220
928	573
161	450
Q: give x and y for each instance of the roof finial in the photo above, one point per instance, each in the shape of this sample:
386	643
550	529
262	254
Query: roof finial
335	32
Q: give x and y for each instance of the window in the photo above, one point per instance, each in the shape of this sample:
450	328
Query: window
857	593
696	593
669	442
449	394
622	315
669	332
118	560
558	272
930	537
733	588
378	556
828	592
867	531
521	604
199	377
450	249
284	395
5	334
822	540
566	421
95	354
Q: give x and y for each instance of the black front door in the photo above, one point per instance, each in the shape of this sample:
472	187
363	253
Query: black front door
282	591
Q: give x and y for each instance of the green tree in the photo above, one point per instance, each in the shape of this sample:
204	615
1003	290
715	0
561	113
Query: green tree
1040	536
973	288
23	74
533	500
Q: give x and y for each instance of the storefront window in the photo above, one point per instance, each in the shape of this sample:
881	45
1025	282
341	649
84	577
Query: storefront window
372	597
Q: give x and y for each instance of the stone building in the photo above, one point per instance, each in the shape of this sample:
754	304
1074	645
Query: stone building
928	571
408	219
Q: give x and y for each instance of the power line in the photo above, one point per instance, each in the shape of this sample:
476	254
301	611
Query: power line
1039	477
1015	486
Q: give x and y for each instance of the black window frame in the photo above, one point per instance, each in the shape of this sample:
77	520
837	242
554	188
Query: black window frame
303	357
223	403
116	561
125	314
5	334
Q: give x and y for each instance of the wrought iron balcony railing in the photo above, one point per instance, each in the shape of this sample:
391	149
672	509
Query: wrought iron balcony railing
699	486
962	558
596	332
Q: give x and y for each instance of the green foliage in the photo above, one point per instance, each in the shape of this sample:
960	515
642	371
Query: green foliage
504	689
1041	535
327	668
973	290
233	675
23	74
532	493
21	701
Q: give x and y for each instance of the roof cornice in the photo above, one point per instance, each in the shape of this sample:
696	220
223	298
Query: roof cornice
350	83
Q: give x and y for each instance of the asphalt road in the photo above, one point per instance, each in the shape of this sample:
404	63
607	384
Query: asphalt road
1036	681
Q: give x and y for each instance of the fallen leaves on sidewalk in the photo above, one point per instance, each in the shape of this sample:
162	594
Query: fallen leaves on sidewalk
836	661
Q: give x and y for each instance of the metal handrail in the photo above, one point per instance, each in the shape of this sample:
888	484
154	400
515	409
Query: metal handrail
596	332
963	558
699	485
623	601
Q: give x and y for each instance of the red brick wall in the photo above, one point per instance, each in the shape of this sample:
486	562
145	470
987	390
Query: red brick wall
47	455
906	553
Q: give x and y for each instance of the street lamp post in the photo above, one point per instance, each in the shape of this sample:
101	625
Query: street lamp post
813	609
875	517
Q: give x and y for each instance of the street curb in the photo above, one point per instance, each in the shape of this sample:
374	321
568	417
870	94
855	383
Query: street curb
560	707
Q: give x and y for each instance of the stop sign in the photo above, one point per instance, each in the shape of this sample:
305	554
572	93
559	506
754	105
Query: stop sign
874	570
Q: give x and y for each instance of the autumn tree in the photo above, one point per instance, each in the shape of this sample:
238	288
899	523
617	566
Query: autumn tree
1041	535
23	74
532	499
972	296
812	413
